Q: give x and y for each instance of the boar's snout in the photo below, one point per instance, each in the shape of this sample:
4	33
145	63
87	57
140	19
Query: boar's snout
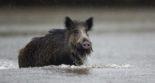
86	45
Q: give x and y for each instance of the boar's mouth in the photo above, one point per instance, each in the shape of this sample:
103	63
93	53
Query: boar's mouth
81	51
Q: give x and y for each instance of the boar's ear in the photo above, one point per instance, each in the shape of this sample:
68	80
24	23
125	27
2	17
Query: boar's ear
68	23
89	23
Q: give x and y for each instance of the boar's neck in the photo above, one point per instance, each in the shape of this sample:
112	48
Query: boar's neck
78	59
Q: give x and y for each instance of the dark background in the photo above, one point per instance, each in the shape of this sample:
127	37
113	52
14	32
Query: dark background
13	3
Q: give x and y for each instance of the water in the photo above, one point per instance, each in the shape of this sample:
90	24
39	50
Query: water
120	56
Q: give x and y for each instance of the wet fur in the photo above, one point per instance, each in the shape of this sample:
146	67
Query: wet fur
52	49
57	47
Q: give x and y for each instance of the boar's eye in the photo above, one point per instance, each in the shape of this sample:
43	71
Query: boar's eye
76	32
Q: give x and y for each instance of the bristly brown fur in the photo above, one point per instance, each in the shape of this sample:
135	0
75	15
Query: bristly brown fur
52	49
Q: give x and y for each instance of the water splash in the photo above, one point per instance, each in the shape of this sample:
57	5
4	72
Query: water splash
95	66
7	64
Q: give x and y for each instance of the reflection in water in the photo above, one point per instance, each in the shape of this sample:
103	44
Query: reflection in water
81	70
78	70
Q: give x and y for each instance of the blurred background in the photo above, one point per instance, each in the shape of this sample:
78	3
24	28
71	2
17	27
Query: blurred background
33	16
123	39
